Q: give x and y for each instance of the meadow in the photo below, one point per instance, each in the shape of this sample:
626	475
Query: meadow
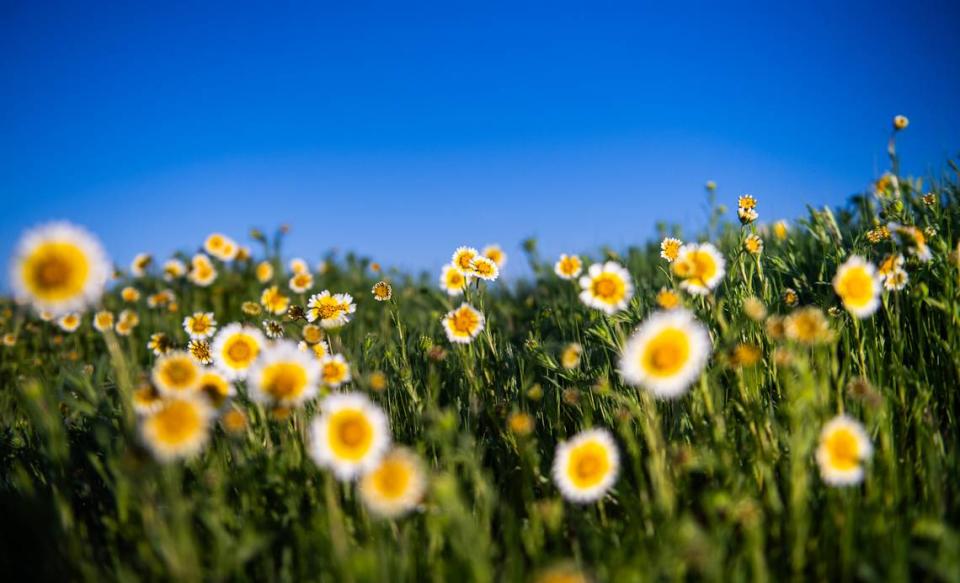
760	400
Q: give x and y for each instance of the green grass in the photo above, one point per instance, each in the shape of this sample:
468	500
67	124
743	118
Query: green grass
719	484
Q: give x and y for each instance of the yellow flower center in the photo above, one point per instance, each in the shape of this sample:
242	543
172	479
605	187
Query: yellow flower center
333	372
608	287
241	350
464	321
176	423
843	449
589	464
284	380
666	353
569	265
856	287
392	479
350	434
56	271
179	373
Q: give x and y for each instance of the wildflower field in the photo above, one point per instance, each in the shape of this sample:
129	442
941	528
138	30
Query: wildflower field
759	400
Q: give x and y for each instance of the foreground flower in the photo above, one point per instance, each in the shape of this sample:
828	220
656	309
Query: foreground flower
858	286
178	428
701	267
463	324
330	310
396	485
586	466
60	268
666	354
176	372
462	260
753	244
496	254
236	348
453	281
568	266
284	376
670	248
200	325
350	436
334	370
606	287
844	445
273	300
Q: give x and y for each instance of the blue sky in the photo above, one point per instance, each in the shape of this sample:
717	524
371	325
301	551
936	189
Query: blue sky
402	132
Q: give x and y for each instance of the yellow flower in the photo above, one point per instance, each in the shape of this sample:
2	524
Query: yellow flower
496	254
330	310
781	230
351	435
520	423
312	333
900	122
60	268
568	266
298	265
234	421
668	299
586	466
160	299
215	387
159	343
103	320
200	325
753	244
69	322
173	268
301	282
607	287
222	247
176	372
570	359
463	324
666	354
178	428
202	272
453	281
127	322
146	399
264	271
9	339
236	348
140	263
844	446
382	291
283	376
670	248
463	260
790	297
745	355
807	326
746	201
334	370
484	268
130	294
701	267
395	486
378	381
858	286
274	301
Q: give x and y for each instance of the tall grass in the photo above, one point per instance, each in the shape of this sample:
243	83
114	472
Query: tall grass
718	485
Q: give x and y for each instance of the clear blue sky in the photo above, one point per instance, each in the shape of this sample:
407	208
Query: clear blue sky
402	132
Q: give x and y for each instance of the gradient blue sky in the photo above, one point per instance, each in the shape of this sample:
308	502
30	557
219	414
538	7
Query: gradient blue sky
402	132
